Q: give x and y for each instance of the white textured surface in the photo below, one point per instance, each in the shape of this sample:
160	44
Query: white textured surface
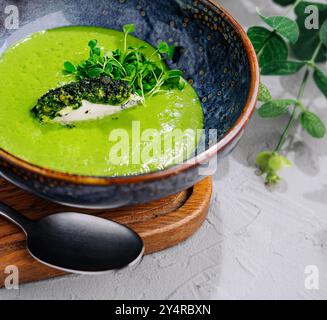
256	242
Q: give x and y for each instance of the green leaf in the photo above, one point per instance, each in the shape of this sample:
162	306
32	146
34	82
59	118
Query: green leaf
285	2
275	49
141	48
323	33
144	75
93	43
320	79
275	108
96	51
129	28
312	124
147	86
284	26
258	37
69	67
115	63
282	68
264	93
171	52
174	74
163	47
181	84
94	72
309	38
108	68
269	46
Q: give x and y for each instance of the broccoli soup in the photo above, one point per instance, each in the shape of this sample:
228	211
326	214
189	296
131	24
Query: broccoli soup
93	101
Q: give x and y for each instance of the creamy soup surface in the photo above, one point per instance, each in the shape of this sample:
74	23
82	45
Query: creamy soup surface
33	66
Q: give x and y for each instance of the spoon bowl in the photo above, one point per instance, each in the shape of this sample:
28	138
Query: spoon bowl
79	243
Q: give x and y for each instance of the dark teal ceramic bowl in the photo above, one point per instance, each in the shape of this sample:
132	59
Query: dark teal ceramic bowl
217	57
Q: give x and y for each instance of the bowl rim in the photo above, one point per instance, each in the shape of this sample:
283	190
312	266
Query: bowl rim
228	138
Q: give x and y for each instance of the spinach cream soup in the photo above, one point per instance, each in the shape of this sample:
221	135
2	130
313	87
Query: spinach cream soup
32	67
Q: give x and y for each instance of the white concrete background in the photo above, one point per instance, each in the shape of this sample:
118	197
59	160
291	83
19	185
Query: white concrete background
255	244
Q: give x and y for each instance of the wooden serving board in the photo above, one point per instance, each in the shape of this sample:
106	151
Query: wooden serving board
161	224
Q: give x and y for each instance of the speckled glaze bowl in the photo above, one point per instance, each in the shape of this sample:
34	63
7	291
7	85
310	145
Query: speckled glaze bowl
213	51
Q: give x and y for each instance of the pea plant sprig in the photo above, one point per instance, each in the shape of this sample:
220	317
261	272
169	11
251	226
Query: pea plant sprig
273	46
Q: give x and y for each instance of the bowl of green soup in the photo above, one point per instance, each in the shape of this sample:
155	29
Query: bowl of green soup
122	102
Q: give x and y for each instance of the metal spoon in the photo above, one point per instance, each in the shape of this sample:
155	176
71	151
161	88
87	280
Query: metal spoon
78	243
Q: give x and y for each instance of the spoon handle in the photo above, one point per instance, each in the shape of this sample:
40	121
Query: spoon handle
15	217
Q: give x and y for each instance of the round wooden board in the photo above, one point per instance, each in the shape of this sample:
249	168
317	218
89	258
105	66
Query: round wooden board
161	224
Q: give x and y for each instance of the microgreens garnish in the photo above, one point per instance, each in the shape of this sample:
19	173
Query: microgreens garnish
146	76
272	48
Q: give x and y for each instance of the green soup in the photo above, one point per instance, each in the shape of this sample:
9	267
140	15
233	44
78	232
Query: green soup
34	65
